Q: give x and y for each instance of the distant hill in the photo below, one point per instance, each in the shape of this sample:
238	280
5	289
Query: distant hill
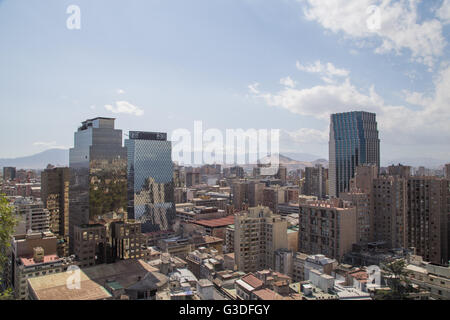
60	157
56	157
301	156
292	164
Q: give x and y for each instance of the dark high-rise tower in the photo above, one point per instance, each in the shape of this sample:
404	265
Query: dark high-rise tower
98	174
55	196
150	180
353	141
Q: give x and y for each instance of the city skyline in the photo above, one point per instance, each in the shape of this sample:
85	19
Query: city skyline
395	72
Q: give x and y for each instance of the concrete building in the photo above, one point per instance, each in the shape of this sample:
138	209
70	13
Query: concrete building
127	241
431	277
427	218
127	279
258	234
298	266
315	181
98	243
327	227
246	286
192	177
390	208
194	213
55	196
399	170
272	196
283	261
216	227
9	173
240	194
447	171
229	239
255	193
34	255
319	263
31	215
90	243
364	214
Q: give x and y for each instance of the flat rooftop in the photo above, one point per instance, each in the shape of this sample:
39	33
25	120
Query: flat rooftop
216	223
29	261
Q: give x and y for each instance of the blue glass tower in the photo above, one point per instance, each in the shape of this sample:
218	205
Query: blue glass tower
353	141
150	180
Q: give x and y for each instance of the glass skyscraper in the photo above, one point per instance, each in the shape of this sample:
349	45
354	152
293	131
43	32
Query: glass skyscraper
353	141
98	174
150	180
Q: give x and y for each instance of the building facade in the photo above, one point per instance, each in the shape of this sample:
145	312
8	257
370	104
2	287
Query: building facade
9	173
98	174
427	218
353	141
315	181
327	227
150	180
55	196
258	233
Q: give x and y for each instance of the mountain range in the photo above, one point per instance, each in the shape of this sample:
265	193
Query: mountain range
56	157
60	157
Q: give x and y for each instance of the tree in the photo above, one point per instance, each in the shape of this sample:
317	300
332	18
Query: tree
7	225
398	280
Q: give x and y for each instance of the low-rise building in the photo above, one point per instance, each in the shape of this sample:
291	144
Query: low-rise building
431	277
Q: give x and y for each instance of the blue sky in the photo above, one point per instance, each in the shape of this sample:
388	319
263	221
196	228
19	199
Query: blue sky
162	64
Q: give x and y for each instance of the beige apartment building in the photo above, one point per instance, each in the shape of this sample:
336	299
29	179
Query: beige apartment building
364	214
258	234
31	215
327	227
34	255
427	218
390	207
447	171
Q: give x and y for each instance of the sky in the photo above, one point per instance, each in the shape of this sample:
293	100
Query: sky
160	65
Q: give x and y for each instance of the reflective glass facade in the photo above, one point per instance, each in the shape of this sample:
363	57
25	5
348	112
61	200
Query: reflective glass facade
353	141
150	180
98	174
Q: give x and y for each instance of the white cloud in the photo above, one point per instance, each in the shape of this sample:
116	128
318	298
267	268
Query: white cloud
398	124
120	91
443	12
327	71
288	82
308	136
254	88
125	107
395	25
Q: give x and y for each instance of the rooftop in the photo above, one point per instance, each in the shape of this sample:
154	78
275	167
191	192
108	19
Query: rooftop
124	272
29	261
215	223
267	294
252	281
